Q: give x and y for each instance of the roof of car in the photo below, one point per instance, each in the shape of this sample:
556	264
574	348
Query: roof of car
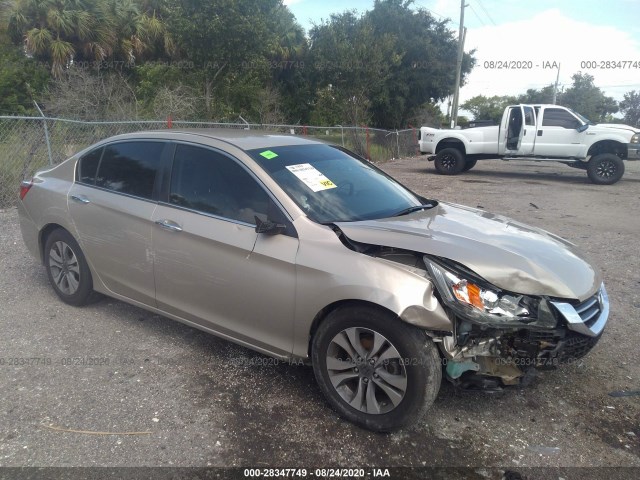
244	139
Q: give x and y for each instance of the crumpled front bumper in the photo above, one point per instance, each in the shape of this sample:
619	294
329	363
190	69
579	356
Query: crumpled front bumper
509	357
589	317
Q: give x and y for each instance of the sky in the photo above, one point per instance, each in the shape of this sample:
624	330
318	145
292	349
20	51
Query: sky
578	35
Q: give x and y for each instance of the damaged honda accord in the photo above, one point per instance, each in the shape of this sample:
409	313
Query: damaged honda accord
304	251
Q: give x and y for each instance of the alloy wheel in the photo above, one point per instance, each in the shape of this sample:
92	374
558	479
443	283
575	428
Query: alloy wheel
366	370
606	169
64	267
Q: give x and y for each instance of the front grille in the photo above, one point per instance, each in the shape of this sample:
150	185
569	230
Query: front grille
589	310
576	346
555	346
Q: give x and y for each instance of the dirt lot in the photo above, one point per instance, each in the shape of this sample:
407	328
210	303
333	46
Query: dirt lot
207	402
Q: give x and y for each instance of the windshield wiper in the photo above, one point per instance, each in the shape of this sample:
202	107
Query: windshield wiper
415	208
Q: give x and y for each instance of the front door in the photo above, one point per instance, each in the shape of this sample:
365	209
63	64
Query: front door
211	267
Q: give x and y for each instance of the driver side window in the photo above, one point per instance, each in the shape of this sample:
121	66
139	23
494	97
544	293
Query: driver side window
556	117
210	182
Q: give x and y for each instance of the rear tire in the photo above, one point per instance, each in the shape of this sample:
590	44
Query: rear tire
605	169
386	373
67	268
449	161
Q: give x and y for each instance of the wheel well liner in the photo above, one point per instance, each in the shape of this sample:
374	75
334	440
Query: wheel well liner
44	234
322	314
451	143
608	146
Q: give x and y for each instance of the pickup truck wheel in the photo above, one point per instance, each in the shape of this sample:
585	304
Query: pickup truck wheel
468	165
449	161
375	370
605	169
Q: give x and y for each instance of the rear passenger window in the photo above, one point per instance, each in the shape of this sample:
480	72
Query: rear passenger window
210	182
130	167
529	119
88	166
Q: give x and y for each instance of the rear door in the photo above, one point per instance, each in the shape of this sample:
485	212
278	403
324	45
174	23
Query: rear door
211	267
520	132
111	204
528	134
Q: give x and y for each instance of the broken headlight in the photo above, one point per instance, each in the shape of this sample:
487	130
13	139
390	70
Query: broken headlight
477	300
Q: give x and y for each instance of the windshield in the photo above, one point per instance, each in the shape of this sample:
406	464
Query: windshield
581	117
333	186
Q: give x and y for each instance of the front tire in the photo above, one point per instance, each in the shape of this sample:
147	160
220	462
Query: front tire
375	370
67	268
469	164
605	169
449	161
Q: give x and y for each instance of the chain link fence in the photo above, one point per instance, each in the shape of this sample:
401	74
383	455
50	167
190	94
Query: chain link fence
28	144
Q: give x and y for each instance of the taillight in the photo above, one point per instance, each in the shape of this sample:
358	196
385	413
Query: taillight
25	186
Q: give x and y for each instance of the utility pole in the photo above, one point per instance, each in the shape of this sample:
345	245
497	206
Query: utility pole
555	87
461	37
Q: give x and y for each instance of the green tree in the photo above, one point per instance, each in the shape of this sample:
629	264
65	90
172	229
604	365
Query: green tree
427	52
227	42
22	79
351	64
62	32
630	107
289	71
488	108
587	99
544	95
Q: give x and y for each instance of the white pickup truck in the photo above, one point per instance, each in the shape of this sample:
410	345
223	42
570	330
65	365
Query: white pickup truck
536	132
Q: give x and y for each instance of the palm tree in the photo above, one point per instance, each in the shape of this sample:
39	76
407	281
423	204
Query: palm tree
66	31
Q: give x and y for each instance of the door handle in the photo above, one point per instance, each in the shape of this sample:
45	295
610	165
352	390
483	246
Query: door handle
169	225
80	199
539	133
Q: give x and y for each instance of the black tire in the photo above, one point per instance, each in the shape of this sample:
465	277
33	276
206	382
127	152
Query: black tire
67	268
469	164
449	161
605	169
422	373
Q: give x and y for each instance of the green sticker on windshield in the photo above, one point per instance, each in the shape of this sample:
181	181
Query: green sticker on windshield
268	154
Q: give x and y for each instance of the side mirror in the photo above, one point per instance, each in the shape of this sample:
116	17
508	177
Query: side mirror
582	128
268	227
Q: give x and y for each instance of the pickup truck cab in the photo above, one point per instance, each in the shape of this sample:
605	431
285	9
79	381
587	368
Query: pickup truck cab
536	132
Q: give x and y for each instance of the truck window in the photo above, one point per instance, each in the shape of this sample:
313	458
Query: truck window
557	117
529	118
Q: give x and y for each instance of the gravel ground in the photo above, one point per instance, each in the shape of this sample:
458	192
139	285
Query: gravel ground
207	402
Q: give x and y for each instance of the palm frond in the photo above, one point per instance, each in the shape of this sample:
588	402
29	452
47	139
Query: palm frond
62	53
37	41
61	21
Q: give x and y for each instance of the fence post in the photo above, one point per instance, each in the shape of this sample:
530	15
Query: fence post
398	142
415	139
169	122
341	133
46	133
368	147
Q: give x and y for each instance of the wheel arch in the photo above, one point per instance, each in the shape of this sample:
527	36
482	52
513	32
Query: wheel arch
332	307
451	142
44	234
608	146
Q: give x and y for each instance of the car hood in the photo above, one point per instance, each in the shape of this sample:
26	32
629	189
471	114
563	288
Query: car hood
509	254
616	126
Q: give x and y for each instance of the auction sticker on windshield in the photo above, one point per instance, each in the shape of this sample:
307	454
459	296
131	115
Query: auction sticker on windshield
311	177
